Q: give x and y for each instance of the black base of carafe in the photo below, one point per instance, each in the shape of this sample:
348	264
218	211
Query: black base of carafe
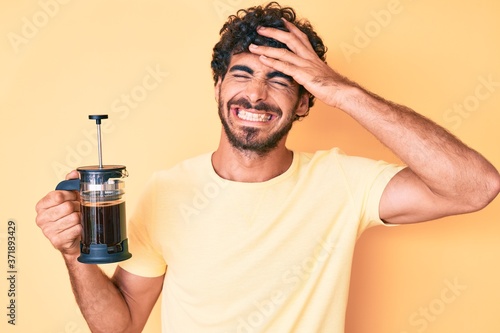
99	254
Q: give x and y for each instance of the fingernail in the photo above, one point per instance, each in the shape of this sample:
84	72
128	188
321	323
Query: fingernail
252	46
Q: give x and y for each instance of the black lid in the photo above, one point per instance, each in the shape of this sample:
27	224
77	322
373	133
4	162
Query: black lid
96	175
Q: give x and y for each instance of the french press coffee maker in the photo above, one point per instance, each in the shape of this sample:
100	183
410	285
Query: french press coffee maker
102	206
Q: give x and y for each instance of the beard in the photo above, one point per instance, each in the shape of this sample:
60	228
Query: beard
246	139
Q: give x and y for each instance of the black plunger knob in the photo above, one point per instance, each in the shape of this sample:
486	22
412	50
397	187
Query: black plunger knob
98	117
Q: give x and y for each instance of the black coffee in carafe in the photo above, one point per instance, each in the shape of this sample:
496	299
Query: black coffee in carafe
103	224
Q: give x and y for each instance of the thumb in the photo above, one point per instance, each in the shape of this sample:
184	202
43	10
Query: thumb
72	175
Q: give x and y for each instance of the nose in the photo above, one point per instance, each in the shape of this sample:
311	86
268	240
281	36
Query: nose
256	90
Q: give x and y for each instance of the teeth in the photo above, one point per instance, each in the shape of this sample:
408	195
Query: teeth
250	116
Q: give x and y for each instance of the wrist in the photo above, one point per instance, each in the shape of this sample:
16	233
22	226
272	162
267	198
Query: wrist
70	257
348	97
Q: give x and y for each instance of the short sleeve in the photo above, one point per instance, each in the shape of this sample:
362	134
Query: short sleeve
367	180
381	175
147	259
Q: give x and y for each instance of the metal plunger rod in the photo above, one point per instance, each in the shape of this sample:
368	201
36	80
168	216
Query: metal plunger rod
97	119
99	145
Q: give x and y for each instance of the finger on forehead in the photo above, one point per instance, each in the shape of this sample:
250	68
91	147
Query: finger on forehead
277	53
55	198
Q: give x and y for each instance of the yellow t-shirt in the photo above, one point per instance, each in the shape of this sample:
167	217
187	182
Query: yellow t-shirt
272	256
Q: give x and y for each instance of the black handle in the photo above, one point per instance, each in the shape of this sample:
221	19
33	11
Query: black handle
69	185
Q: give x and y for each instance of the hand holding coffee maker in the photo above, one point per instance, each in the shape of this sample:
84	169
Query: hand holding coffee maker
102	207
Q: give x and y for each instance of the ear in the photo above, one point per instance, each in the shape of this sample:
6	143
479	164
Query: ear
303	105
217	89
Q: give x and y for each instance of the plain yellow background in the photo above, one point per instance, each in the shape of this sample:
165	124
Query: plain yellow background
61	61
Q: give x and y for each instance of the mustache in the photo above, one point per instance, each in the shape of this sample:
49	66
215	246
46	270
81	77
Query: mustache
260	106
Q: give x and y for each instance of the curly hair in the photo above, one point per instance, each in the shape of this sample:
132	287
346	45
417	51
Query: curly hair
240	31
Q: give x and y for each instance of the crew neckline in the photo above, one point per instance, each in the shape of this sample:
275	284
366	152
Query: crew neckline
291	169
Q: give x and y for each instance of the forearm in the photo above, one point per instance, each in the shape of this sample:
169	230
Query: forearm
100	301
447	166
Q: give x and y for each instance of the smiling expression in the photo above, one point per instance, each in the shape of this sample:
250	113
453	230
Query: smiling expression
257	104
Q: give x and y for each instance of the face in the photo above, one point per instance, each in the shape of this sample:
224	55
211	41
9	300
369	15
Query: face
257	104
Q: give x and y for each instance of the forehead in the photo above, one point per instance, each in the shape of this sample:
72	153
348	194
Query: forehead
250	60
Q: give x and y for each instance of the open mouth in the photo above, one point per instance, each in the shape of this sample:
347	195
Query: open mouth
253	115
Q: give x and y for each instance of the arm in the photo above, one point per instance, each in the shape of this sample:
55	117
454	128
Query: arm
444	177
121	304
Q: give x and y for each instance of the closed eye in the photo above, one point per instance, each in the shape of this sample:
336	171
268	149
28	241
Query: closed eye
280	83
241	76
241	71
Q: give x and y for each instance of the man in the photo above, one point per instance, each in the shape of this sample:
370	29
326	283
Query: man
270	248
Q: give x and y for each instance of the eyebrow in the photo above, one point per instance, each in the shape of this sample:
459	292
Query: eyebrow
279	74
270	75
241	68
